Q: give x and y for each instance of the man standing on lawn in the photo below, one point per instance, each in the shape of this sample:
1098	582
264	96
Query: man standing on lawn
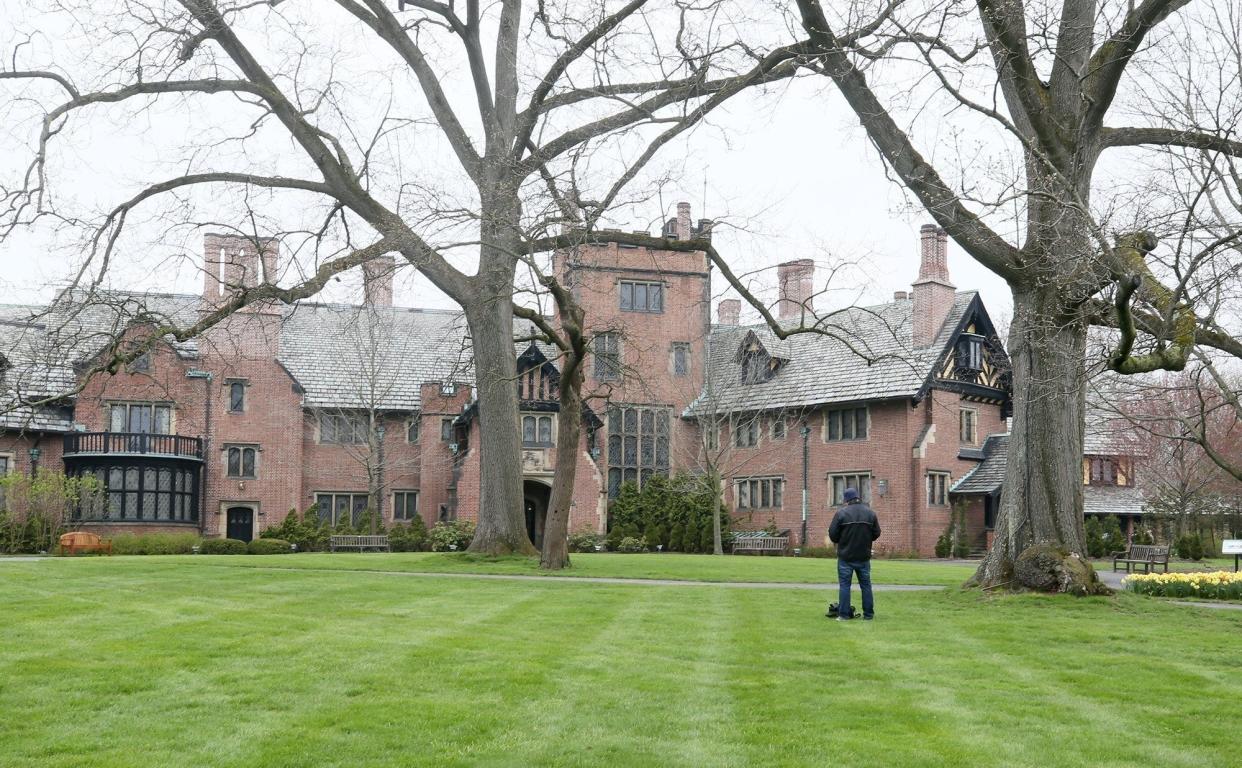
853	528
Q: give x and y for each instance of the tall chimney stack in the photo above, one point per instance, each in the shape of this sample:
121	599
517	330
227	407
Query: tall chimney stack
933	292
729	312
797	284
234	262
377	275
683	221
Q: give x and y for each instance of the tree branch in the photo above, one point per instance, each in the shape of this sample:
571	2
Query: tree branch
1109	62
989	248
1168	137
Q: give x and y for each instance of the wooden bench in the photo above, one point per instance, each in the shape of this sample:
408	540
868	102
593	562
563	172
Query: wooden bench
759	543
81	542
1146	555
359	542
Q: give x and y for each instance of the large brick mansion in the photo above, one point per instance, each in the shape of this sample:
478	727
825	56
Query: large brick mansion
370	405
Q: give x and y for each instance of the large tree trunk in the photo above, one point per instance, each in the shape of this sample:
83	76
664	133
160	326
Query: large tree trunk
568	432
1042	499
502	523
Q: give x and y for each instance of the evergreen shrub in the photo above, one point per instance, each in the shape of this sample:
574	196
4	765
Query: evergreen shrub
269	546
222	547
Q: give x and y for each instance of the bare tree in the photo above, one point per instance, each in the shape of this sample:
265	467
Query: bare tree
371	412
1047	81
1188	437
365	108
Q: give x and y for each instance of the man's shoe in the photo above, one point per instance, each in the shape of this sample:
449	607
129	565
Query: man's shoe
843	618
868	618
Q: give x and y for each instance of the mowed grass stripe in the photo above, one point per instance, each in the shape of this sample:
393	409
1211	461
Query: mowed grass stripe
110	662
709	568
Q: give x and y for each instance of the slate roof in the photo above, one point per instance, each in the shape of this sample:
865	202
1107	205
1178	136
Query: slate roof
81	323
1112	500
31	371
348	357
823	369
989	474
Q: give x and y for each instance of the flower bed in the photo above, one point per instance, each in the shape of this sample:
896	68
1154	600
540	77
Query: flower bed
1215	585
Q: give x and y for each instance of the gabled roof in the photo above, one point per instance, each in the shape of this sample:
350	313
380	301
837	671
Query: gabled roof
989	474
829	369
346	356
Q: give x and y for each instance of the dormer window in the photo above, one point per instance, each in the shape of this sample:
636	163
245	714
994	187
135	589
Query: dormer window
757	364
970	352
1107	470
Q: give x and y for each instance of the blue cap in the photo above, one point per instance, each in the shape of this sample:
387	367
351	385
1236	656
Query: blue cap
850	494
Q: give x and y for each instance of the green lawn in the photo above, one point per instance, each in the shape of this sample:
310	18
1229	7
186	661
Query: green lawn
648	566
162	661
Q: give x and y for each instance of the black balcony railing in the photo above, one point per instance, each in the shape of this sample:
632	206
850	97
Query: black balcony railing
110	443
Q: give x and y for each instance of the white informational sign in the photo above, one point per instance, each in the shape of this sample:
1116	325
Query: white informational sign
1231	547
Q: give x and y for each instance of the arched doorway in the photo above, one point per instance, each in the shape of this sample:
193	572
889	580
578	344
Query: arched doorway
240	523
536	497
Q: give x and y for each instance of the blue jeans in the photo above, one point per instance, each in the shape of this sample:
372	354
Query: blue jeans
845	576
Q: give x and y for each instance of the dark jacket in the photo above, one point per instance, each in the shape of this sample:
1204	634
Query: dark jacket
853	528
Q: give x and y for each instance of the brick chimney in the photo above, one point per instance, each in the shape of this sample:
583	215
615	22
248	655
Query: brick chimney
231	262
933	292
729	312
377	277
704	230
683	221
797	284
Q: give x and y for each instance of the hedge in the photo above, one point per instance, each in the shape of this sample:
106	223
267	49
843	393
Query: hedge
222	547
269	547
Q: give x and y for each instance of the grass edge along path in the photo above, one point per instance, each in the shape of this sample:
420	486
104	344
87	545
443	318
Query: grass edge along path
676	567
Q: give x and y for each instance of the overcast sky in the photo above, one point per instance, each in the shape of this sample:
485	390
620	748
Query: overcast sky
789	173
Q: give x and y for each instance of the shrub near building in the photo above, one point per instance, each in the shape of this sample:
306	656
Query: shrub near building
674	514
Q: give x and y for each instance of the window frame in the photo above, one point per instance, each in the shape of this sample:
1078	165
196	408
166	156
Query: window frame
230	384
970	353
241	449
854	422
155	406
446	430
648	306
641	451
849	479
769	488
353	508
357	427
1118	468
608	363
751	428
784	428
10	465
131	491
413	427
537	421
974	426
711	436
937	484
681	362
405	511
